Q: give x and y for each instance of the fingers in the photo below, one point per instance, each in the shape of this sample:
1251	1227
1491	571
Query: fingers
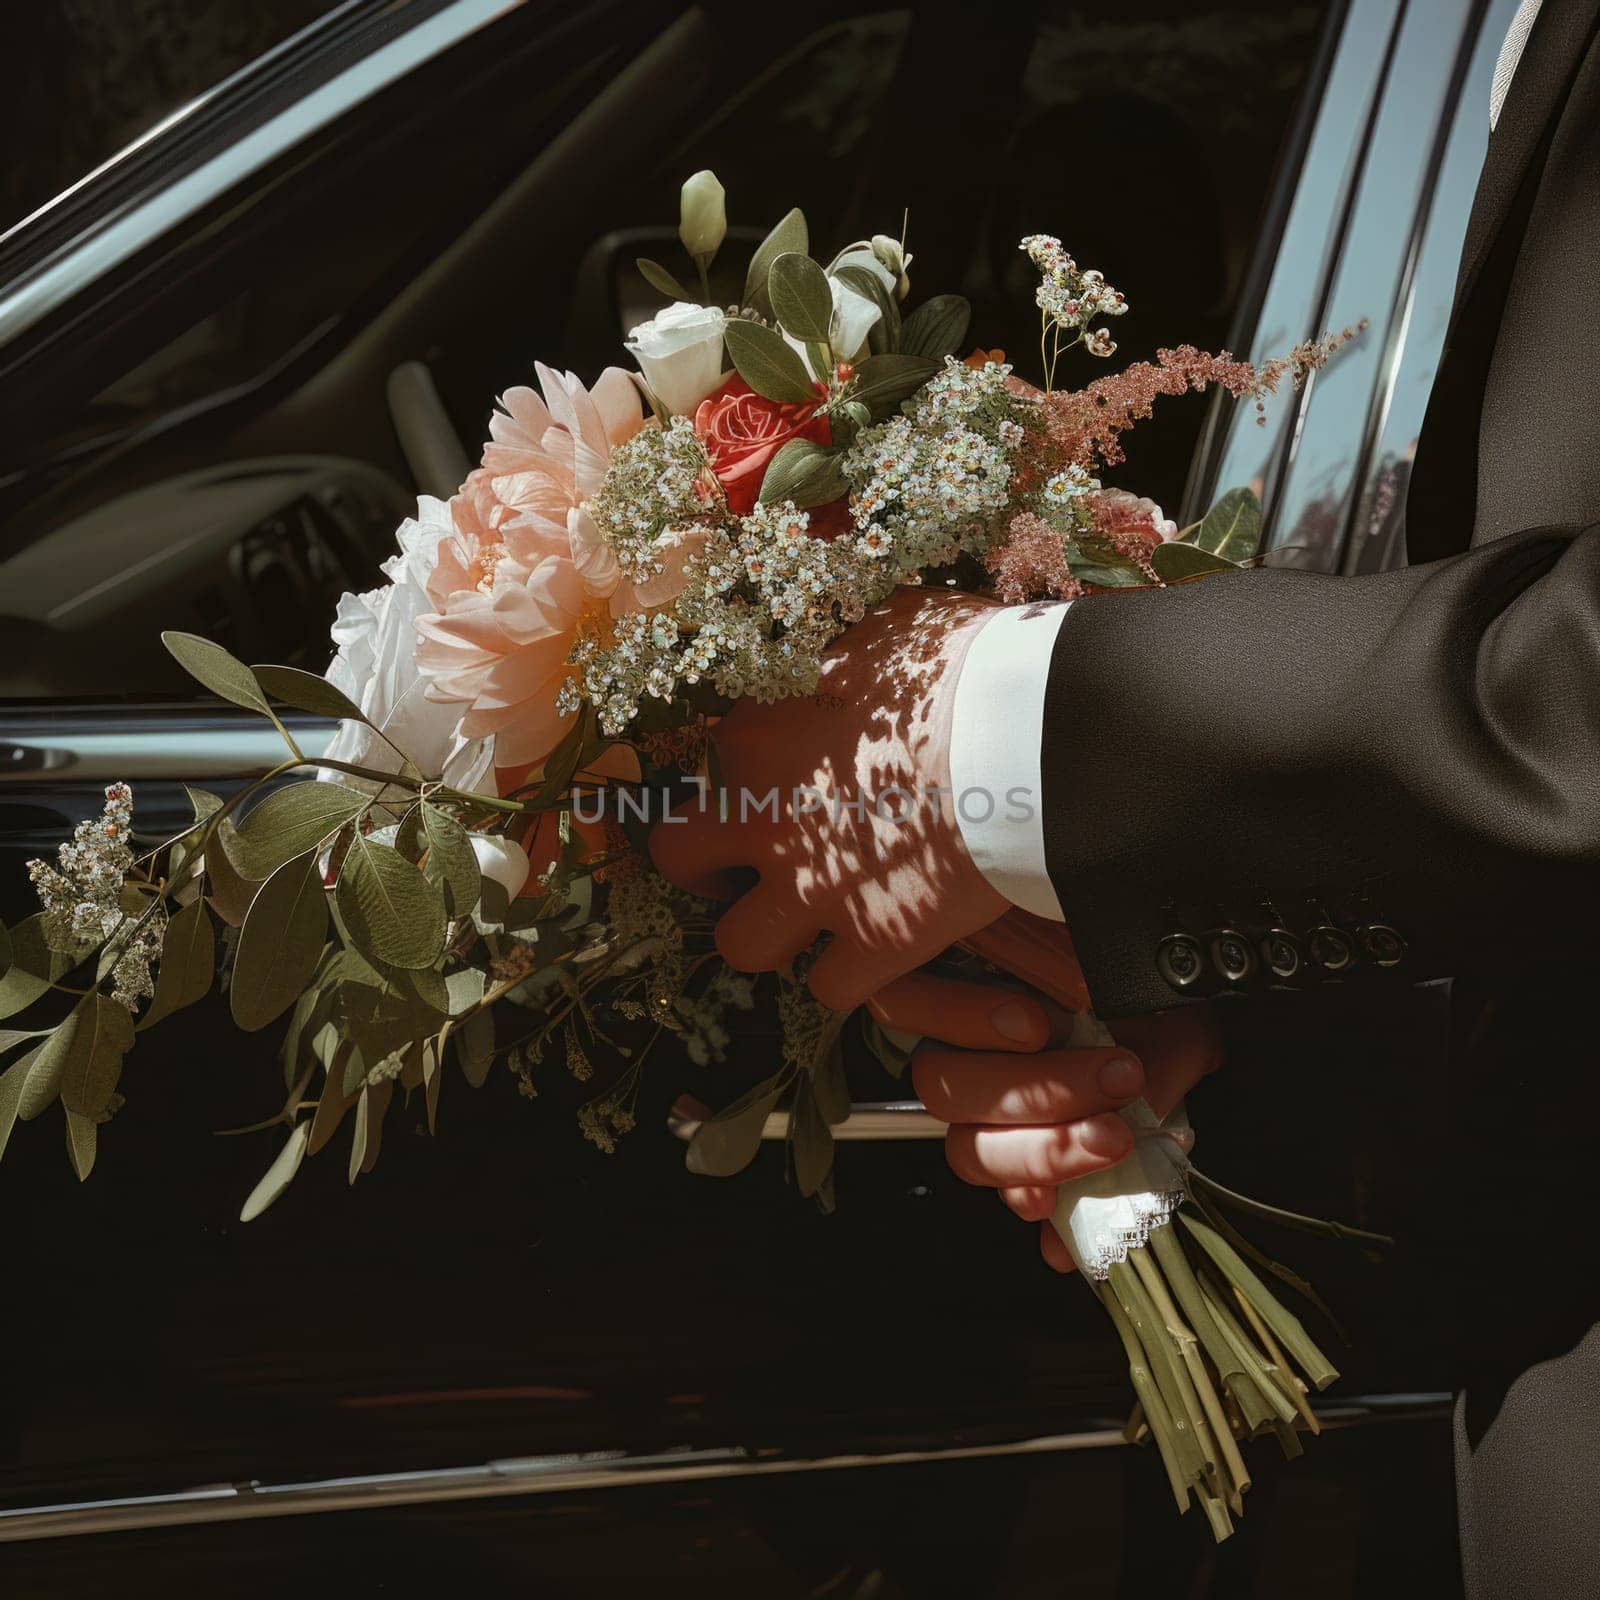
1054	1250
1033	1202
1178	1048
973	1016
693	848
846	974
1010	1090
763	929
1038	952
996	1158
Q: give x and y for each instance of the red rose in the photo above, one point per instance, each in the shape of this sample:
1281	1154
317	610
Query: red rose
742	431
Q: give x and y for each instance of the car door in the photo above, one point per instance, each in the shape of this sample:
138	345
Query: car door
229	406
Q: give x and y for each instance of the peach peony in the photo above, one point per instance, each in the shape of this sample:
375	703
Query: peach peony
523	564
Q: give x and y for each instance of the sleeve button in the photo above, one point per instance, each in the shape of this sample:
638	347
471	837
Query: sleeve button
1282	955
1179	961
1381	944
1332	948
1231	955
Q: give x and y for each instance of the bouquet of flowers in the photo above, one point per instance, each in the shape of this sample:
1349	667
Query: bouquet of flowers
461	874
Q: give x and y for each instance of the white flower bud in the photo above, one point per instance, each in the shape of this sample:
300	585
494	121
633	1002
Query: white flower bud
892	255
702	217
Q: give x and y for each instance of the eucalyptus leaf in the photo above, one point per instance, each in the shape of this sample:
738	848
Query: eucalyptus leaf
475	1047
663	281
1181	563
219	670
464	989
728	1142
227	889
281	943
305	691
188	963
451	861
805	474
83	1139
883	382
290	821
801	299
768	364
391	910
1108	571
5	949
363	1132
828	1082
426	985
1231	529
790	234
937	328
204	802
34	966
93	1060
279	1175
12	1081
811	1140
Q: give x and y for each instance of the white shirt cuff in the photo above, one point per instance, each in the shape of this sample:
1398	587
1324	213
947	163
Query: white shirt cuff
995	743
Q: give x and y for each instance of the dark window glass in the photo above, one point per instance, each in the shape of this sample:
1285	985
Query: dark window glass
531	165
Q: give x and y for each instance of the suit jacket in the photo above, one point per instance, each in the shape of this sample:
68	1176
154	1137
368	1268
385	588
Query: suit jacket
1282	779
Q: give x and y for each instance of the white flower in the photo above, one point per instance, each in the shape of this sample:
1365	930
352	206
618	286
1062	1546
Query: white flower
702	216
502	861
855	313
376	666
679	351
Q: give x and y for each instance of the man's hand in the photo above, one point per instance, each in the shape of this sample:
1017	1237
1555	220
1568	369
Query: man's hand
1026	1114
857	841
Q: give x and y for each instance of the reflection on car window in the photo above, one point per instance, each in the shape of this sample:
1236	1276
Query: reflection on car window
1145	137
99	76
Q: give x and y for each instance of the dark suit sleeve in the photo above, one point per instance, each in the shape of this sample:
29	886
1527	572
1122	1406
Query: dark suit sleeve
1414	754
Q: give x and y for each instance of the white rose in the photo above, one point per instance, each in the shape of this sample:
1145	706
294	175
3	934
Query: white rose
680	353
376	666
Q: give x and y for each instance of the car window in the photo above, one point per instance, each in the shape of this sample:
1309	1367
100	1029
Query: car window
98	79
180	461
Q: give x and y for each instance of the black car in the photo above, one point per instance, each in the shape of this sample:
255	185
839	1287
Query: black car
230	357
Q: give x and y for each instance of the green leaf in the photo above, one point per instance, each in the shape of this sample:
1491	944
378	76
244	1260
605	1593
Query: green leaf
34	966
90	1075
790	235
728	1142
883	382
451	861
464	989
5	950
475	1046
1182	563
767	364
291	821
828	1082
1232	527
204	802
801	299
281	943
813	1143
279	1175
228	890
188	963
81	1061
83	1138
804	473
937	328
392	912
663	281
221	672
12	1081
1096	561
307	692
